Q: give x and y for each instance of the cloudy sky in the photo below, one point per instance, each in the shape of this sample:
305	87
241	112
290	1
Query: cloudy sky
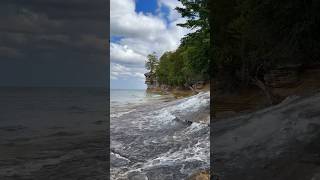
53	42
138	28
65	42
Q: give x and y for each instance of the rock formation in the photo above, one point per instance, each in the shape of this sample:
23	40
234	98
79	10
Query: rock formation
151	80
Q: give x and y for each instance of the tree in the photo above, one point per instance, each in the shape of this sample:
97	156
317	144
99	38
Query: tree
151	62
195	46
251	37
190	62
196	13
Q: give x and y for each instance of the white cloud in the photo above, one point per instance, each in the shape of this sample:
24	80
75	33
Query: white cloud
123	54
119	71
141	34
126	22
173	15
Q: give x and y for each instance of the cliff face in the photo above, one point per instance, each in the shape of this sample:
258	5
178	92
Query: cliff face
282	76
293	80
151	80
153	84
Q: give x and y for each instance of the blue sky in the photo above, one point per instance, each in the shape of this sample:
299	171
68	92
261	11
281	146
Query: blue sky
138	28
146	6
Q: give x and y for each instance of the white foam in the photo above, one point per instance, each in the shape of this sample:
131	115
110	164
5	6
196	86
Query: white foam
191	104
119	114
197	152
191	142
194	102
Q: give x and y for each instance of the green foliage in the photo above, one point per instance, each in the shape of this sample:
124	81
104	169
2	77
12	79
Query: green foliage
152	62
190	62
249	37
170	70
196	13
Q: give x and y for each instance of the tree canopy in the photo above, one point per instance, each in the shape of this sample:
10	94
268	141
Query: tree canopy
190	62
238	41
151	62
249	37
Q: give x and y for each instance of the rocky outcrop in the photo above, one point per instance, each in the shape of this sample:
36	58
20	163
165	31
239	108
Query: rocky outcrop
279	142
151	80
282	76
153	85
282	82
202	175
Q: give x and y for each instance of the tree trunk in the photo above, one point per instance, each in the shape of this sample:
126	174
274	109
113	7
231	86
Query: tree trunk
270	96
193	89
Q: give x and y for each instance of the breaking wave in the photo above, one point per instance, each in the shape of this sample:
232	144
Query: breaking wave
161	140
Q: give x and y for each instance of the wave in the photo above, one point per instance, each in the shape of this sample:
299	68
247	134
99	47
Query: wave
119	114
161	138
186	110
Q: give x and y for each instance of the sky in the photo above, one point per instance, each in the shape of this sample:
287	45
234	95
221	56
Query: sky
65	42
139	28
53	43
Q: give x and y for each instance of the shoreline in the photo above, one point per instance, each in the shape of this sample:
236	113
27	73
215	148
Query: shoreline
179	93
162	125
251	99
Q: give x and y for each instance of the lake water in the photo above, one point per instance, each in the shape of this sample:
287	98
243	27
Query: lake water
53	133
158	137
134	96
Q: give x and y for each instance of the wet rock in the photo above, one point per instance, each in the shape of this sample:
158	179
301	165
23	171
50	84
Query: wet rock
117	160
137	176
316	177
313	128
287	137
161	141
187	122
202	175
